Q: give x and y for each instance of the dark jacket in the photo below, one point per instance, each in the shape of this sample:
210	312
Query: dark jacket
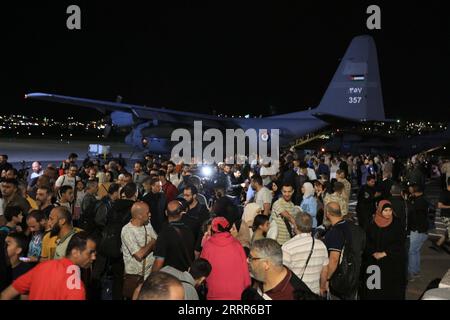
365	207
157	204
87	219
418	214
400	209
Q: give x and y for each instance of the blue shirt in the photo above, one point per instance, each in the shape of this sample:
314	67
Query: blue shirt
309	205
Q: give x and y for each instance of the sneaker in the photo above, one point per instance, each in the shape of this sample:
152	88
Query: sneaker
413	277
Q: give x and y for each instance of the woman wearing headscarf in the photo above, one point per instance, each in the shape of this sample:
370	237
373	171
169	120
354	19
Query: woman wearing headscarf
229	275
385	249
309	202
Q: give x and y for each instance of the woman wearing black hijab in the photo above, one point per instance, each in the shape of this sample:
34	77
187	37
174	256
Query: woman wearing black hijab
385	257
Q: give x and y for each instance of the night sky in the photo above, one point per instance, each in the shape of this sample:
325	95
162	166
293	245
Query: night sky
199	56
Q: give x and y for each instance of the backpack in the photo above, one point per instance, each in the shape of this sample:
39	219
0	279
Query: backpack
111	241
87	220
345	279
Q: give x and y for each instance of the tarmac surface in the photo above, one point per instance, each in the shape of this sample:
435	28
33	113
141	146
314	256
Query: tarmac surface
54	150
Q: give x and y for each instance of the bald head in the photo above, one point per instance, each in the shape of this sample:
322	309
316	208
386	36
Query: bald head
140	213
174	209
334	209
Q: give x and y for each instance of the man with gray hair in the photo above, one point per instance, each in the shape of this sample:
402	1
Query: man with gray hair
276	282
338	238
307	257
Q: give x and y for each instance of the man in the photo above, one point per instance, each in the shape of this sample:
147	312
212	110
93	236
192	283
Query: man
85	171
37	224
124	179
110	248
105	206
196	213
307	257
60	222
14	217
338	196
12	174
342	178
168	188
263	196
102	214
44	200
36	169
233	183
276	282
196	275
365	172
418	227
399	205
267	171
173	176
323	168
138	241
65	197
283	216
366	207
4	165
11	197
139	175
156	200
336	240
444	205
445	173
57	279
175	243
68	179
17	247
161	286
384	187
308	172
88	207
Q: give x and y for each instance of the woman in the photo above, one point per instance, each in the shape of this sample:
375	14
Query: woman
230	275
276	191
385	248
309	202
320	193
261	226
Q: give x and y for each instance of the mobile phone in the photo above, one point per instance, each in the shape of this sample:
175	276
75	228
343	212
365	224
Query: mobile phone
24	259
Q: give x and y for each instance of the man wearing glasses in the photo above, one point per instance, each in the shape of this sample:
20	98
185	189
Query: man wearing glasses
274	280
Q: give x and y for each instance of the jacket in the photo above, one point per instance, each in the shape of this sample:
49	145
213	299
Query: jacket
229	275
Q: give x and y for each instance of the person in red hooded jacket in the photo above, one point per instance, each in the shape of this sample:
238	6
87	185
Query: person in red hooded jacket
230	274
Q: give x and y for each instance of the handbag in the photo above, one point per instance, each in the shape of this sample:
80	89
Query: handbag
309	257
132	281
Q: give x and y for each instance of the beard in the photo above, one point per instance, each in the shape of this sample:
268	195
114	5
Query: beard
55	230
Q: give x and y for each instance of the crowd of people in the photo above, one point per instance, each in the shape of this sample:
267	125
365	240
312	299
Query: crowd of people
283	230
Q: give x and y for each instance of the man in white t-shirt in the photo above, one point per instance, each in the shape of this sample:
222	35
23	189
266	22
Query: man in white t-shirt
263	196
138	241
69	179
267	171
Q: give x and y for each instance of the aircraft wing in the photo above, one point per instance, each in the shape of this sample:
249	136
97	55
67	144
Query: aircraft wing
141	112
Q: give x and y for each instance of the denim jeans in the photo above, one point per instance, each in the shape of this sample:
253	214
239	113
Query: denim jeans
416	241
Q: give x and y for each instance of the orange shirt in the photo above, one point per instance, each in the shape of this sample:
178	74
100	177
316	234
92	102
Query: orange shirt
52	280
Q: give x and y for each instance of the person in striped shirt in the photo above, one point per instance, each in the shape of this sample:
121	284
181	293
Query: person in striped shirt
307	257
282	219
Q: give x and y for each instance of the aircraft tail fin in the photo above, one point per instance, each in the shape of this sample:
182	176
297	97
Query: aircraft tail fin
355	91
